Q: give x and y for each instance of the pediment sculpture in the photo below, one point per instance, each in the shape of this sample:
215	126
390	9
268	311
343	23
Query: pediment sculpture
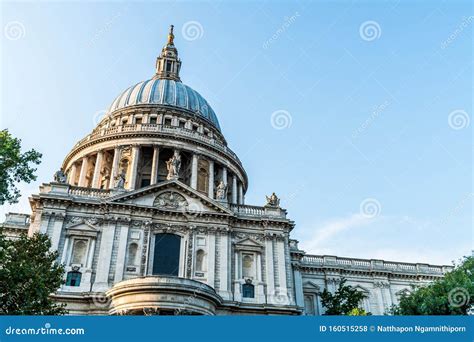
170	200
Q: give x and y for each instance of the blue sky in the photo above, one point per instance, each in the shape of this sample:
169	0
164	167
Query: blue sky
339	107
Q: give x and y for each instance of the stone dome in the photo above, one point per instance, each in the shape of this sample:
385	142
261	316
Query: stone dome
166	92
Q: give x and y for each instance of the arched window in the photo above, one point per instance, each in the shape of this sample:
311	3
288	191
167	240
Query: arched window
200	256
73	278
247	266
248	291
79	250
132	254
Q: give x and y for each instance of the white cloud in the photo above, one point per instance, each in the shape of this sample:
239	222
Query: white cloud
331	228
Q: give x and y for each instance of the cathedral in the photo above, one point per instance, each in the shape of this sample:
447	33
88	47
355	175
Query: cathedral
149	217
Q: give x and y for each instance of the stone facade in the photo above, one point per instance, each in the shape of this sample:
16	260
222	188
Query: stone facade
148	214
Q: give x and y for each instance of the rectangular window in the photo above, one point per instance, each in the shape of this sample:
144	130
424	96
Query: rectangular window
138	121
73	278
153	120
248	291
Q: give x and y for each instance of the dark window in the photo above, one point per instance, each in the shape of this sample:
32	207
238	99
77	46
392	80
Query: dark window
153	120
182	124
138	121
166	255
167	122
248	291
145	182
168	66
73	278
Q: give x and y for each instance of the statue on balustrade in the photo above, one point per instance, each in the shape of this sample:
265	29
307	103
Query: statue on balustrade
60	176
173	165
221	191
273	200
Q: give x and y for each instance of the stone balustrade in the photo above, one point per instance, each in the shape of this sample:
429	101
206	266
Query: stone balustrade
163	129
253	210
372	265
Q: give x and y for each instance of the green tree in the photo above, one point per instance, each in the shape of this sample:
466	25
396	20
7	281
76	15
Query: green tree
451	295
345	301
14	167
29	274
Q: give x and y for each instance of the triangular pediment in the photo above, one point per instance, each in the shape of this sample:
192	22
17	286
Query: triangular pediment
310	285
82	228
249	242
171	196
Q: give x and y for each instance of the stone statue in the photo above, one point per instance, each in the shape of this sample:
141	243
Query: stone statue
120	180
60	176
173	165
221	191
105	173
273	200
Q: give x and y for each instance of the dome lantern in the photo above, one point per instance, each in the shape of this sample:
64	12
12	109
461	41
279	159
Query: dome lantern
168	64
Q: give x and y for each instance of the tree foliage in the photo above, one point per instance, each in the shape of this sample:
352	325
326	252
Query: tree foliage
345	301
15	167
451	295
29	274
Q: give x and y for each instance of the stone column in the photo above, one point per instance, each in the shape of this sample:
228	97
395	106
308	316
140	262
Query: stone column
194	171
105	256
98	165
224	266
84	167
211	260
211	179
134	167
298	286
241	194
122	251
280	248
115	166
234	189
72	174
224	175
57	230
154	165
269	268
